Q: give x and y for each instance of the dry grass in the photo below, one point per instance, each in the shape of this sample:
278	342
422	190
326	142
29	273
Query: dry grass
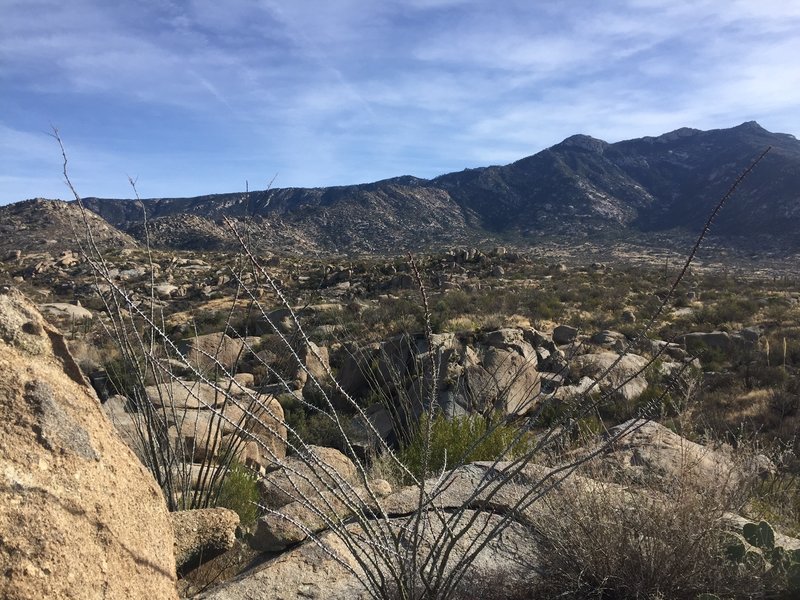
616	543
770	413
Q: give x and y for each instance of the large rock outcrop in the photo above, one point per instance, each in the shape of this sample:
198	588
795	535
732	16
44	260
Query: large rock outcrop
622	375
80	517
496	372
212	350
329	569
303	478
649	453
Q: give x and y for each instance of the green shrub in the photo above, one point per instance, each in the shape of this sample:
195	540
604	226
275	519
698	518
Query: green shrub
777	498
543	305
314	427
122	379
209	322
460	440
239	492
455	302
727	310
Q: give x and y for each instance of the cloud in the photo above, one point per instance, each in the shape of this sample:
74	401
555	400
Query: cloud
195	95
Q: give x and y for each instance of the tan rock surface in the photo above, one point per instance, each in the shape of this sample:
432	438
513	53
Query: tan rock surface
205	351
298	478
184	394
652	451
328	570
202	534
67	311
278	530
80	517
597	366
505	380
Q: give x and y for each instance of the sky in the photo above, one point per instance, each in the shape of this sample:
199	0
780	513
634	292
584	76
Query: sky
208	96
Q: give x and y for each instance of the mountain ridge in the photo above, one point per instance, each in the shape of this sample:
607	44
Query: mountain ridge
580	187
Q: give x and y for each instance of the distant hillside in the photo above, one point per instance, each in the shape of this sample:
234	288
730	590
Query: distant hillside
581	187
646	184
51	226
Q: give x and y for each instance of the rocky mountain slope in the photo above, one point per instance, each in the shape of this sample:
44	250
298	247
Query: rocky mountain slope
52	226
648	184
581	187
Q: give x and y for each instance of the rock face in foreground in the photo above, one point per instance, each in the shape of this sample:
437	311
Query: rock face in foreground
330	571
80	517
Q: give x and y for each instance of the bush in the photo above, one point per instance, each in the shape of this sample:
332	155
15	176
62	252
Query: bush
460	440
239	492
727	310
122	379
317	429
604	541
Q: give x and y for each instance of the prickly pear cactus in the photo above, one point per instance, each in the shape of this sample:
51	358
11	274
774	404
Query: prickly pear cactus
760	535
755	550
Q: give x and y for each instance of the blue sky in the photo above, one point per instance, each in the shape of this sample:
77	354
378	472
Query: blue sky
196	97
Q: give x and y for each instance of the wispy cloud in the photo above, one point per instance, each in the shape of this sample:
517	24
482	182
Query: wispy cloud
196	95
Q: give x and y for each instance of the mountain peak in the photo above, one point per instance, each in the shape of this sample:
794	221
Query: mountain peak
585	142
682	132
751	126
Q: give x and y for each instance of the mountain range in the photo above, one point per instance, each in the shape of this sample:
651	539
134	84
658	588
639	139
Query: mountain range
582	188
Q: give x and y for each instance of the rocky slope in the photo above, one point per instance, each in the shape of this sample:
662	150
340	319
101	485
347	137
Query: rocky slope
647	184
52	226
581	187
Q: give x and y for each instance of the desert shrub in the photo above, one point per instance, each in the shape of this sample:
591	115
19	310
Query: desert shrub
588	427
759	375
310	424
604	541
680	302
318	429
122	379
209	322
459	440
457	324
754	400
569	296
727	310
616	410
239	492
785	399
393	316
712	358
777	308
777	356
453	303
543	305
